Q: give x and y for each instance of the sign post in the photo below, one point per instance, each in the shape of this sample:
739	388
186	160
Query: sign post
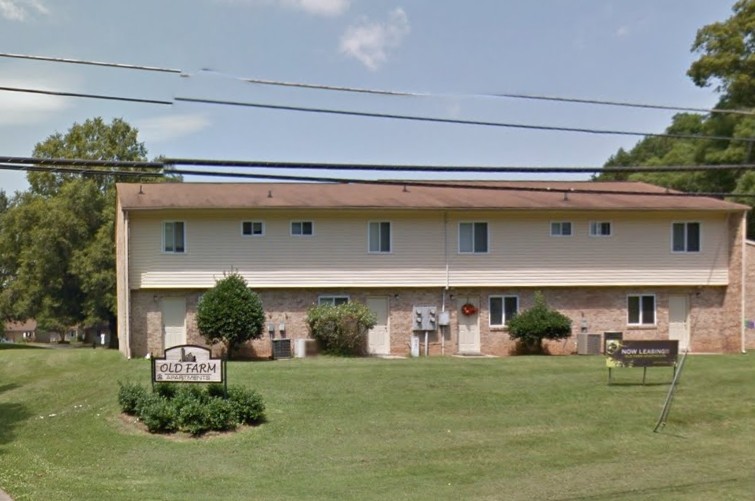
624	353
189	363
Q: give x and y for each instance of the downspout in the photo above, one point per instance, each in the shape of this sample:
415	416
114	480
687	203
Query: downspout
445	290
743	268
126	285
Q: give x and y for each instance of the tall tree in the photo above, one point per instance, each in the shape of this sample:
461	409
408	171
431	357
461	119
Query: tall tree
57	249
726	55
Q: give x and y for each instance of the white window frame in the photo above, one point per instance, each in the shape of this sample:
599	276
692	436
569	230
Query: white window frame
686	237
164	240
641	321
333	299
252	223
560	226
380	237
487	237
596	229
504	319
302	222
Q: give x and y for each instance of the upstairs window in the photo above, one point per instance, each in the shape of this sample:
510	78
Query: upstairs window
685	237
502	309
473	238
600	228
302	228
252	228
174	238
641	309
561	229
379	236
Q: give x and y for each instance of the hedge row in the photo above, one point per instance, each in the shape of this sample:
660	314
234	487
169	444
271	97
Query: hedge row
191	408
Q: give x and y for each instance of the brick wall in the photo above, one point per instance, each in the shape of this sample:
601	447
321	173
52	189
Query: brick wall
599	309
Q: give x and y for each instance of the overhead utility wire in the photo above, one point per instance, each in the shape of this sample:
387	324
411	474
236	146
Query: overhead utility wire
363	90
91	63
404	183
166	162
455	121
453	169
88	96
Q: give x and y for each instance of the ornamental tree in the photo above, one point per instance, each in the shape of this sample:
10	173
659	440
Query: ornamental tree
230	313
539	322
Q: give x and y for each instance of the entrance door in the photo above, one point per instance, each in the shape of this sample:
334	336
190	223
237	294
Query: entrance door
678	320
174	318
469	329
378	338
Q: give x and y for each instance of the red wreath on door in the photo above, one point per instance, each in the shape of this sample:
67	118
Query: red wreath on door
468	309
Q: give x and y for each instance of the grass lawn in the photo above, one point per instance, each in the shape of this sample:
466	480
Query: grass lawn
440	428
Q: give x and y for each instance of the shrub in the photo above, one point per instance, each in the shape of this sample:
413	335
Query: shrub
221	415
341	330
248	405
191	408
129	396
158	414
539	322
193	417
230	313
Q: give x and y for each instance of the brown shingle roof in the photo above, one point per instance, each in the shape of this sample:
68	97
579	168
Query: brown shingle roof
530	195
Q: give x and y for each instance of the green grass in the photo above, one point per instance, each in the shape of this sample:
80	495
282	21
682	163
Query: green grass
440	428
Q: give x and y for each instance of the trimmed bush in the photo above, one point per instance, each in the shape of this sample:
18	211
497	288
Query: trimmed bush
129	396
539	322
341	330
248	405
194	409
158	414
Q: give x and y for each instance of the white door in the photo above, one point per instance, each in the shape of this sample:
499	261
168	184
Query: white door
378	338
678	321
469	328
174	318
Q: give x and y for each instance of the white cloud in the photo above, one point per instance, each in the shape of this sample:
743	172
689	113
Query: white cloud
622	31
20	10
317	7
169	127
369	42
27	108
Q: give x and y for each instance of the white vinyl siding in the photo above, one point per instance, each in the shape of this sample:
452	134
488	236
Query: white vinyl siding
423	251
379	237
473	238
685	237
252	228
641	309
502	309
174	237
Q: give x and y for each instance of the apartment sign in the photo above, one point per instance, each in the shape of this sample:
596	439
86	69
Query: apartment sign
188	364
624	353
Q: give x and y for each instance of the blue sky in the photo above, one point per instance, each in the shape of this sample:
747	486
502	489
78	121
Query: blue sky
457	51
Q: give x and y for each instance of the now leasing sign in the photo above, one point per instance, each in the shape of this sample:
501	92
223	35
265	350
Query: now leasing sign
623	353
188	364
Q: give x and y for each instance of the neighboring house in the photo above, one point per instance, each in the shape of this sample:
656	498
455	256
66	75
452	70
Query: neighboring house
19	332
612	256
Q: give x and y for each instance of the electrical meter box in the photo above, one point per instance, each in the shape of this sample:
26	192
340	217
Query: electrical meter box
424	318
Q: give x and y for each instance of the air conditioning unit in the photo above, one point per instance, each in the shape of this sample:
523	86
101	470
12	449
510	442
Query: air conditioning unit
588	344
281	348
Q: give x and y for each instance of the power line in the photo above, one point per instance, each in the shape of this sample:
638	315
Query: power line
88	96
415	118
391	182
90	63
362	90
81	161
452	169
